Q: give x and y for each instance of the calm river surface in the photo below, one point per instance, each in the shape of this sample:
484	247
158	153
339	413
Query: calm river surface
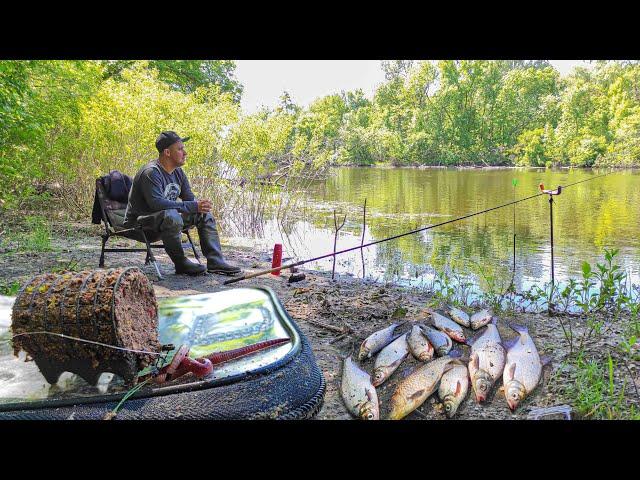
587	218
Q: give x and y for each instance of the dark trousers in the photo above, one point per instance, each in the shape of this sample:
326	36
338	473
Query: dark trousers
170	224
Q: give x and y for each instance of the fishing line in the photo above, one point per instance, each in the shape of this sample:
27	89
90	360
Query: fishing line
82	340
302	262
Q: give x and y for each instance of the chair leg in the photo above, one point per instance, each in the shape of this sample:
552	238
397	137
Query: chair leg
155	264
151	256
193	247
104	242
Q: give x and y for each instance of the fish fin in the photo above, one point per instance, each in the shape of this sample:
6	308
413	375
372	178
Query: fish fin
448	367
511	371
458	388
475	359
405	372
509	343
519	328
494	321
545	360
418	394
368	394
470	341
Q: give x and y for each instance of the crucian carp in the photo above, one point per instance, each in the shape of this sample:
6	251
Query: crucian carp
523	368
487	361
419	345
448	326
453	389
389	359
376	342
413	390
359	395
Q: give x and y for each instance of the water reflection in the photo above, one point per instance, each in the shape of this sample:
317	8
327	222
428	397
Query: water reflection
587	217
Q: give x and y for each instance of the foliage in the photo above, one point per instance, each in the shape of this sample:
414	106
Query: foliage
37	238
597	394
65	122
10	289
186	75
477	112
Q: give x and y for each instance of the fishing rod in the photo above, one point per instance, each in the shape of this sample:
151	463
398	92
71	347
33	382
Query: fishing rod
302	262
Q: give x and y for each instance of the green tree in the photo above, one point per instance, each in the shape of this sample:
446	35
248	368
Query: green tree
187	75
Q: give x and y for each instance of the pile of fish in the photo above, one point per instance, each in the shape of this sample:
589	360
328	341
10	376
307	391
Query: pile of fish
517	360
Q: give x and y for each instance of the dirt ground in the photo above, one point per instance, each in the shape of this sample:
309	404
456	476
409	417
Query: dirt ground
324	309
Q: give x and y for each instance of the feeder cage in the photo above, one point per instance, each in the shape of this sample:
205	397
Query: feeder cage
115	307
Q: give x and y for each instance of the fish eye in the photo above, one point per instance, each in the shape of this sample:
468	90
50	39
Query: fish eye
514	396
369	416
483	387
447	407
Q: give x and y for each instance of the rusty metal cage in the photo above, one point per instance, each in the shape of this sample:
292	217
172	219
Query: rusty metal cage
115	307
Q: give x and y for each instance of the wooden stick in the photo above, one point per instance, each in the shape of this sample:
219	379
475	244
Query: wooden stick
340	330
364	227
335	240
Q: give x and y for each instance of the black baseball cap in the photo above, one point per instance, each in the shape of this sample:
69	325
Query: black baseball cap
168	138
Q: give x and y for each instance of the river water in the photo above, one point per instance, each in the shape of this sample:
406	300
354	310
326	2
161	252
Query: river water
588	217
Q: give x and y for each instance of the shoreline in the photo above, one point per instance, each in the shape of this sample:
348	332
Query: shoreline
488	167
322	307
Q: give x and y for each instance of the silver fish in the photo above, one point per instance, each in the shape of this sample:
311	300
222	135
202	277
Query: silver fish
358	393
389	359
441	342
523	368
448	326
454	386
376	341
413	390
419	345
459	316
486	362
480	319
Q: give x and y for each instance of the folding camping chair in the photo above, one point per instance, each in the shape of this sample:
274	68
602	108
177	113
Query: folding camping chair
112	212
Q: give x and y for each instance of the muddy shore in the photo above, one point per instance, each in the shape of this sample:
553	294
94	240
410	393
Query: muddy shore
335	315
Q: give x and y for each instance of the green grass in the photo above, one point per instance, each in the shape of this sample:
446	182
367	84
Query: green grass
9	289
597	395
38	236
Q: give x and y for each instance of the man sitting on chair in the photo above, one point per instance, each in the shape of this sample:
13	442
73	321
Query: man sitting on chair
153	204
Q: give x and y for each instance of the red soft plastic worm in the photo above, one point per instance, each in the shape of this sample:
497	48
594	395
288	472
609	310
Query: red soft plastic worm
202	367
221	357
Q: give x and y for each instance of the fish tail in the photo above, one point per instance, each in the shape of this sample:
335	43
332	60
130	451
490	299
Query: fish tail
519	328
455	353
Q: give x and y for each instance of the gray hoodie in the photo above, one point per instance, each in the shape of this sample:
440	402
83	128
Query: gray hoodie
154	189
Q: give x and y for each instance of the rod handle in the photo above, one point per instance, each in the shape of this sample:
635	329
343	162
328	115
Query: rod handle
262	272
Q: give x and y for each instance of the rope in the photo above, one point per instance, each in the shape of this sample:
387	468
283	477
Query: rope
82	340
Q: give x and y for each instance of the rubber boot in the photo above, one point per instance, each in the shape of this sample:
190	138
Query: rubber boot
210	244
173	247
